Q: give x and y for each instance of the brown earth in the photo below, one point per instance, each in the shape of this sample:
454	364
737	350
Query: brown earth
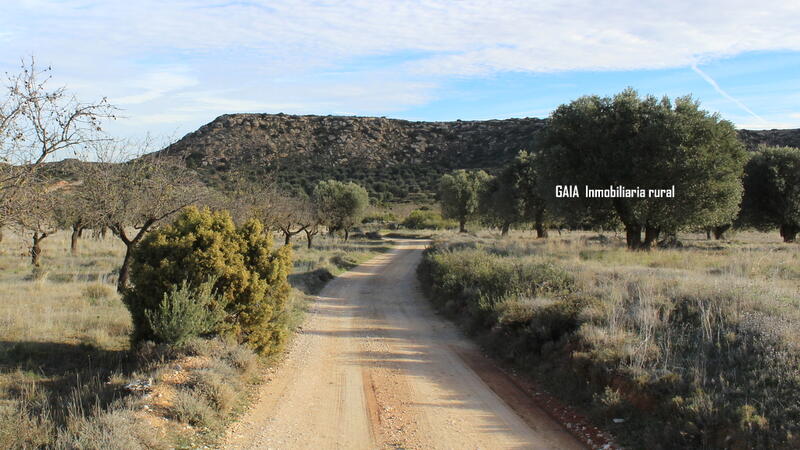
374	367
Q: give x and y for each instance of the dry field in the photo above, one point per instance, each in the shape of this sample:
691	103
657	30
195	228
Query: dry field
691	347
65	356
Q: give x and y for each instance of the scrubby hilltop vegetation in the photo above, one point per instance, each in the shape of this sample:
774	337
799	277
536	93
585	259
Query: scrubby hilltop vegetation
395	160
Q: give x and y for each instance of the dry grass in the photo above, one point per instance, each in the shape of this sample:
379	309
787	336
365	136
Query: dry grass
65	353
694	346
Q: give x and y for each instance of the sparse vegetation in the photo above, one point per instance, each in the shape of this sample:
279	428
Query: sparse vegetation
65	355
691	347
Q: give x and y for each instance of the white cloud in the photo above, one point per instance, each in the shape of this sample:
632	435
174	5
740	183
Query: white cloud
465	37
155	85
207	57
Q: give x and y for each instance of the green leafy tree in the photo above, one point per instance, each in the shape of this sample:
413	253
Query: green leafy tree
250	275
460	193
514	197
645	143
772	191
340	205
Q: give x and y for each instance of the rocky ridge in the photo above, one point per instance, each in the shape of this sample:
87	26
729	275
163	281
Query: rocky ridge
278	140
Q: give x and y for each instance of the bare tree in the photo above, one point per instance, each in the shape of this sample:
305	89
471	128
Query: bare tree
247	200
133	197
290	216
74	213
37	122
37	214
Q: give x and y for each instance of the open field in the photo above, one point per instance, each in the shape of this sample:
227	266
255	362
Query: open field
65	356
692	347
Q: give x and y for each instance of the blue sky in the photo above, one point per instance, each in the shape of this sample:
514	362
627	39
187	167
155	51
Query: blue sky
172	66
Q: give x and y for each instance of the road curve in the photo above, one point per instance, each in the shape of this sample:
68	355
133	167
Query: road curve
374	367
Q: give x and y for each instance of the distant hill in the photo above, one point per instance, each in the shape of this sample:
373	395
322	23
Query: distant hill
782	138
393	159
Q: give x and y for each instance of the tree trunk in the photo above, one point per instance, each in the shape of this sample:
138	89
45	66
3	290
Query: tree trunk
346	233
789	232
708	233
650	237
1	235
309	240
287	238
36	250
73	242
633	236
462	226
124	271
719	231
541	231
504	229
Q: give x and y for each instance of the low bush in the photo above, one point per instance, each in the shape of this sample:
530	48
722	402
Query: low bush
250	276
691	361
184	313
191	407
427	220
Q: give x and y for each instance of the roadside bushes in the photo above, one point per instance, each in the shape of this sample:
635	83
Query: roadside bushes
241	278
686	359
421	219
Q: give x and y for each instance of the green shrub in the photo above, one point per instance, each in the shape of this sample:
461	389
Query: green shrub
379	217
427	220
184	313
250	275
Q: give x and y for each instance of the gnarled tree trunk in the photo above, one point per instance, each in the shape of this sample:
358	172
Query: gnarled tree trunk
462	226
504	229
77	230
651	234
789	232
633	236
36	249
719	231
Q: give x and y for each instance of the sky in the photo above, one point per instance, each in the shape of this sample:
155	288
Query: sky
172	66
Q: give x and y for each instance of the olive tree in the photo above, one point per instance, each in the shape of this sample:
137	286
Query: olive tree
633	142
513	197
772	191
460	193
340	205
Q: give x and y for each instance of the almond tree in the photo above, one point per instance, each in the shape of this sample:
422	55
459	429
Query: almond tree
132	198
36	215
290	216
36	122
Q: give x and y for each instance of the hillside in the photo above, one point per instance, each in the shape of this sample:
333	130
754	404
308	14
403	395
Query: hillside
394	159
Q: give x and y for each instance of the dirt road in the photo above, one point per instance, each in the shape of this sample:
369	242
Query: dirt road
374	367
